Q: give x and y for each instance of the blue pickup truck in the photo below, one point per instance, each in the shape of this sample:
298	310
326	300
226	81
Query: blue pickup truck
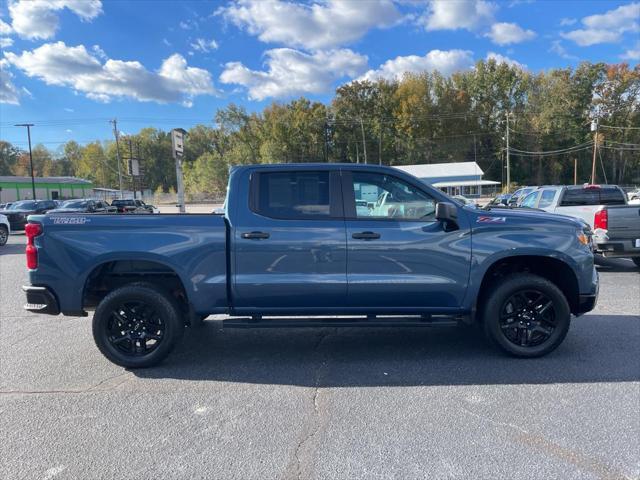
314	245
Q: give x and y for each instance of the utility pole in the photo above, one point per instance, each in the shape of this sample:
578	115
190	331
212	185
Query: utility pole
508	158
364	143
33	180
133	177
380	147
326	143
115	133
177	144
594	128
575	171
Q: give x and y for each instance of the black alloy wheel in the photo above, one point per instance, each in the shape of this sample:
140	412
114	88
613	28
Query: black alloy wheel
525	315
137	325
527	318
135	329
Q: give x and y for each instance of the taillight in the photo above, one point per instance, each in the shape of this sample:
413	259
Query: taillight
32	230
601	220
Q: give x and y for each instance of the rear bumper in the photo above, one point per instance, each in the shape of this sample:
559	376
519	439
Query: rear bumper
41	300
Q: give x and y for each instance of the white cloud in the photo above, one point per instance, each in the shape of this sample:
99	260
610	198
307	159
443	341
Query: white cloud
75	67
506	60
324	24
445	62
6	42
166	42
507	33
290	72
632	53
565	22
607	27
558	49
459	14
71	110
8	91
5	28
35	19
204	46
587	37
99	52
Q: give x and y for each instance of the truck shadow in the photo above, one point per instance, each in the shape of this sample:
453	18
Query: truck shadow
598	348
615	265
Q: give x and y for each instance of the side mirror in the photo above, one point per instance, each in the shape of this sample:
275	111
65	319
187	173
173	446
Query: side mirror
447	213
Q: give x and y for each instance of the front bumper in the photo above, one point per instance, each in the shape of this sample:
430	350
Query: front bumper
41	300
587	302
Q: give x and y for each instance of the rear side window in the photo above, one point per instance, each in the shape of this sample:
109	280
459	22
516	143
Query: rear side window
291	195
546	198
592	196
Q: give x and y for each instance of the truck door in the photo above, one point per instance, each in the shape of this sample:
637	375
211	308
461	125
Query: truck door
289	242
399	256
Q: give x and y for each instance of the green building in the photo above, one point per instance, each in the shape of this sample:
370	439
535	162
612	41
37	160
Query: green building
47	188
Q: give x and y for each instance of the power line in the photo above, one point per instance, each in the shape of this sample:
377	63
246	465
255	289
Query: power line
619	128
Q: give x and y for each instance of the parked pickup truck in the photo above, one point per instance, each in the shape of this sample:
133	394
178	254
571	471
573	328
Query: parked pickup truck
293	244
604	208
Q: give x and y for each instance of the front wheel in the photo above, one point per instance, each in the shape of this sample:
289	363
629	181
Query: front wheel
636	260
137	325
526	315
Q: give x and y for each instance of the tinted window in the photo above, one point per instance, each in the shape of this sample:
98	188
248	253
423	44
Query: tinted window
592	196
379	196
292	195
29	205
611	196
75	204
546	198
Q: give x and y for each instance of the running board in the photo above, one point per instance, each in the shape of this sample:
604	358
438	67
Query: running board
315	322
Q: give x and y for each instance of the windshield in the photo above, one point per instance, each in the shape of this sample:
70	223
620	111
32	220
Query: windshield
26	205
75	204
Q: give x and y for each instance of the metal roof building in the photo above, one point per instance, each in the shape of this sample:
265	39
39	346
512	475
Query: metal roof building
14	188
457	178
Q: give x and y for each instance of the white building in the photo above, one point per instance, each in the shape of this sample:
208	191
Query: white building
457	178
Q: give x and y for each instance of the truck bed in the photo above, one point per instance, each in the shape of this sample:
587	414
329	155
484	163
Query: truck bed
73	246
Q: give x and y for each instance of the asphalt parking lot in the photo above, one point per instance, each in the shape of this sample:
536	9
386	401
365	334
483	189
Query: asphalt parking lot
321	403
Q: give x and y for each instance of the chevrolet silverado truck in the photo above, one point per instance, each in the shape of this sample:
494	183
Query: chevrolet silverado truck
293	249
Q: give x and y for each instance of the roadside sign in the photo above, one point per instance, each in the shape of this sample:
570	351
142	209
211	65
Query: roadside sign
177	142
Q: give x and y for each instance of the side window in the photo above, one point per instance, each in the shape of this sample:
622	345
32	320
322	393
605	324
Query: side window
379	196
530	200
291	195
546	198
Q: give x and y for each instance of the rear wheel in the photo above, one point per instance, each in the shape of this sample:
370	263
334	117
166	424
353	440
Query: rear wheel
526	315
4	235
636	260
137	325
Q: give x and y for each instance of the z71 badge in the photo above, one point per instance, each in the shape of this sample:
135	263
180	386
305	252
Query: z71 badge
485	219
70	220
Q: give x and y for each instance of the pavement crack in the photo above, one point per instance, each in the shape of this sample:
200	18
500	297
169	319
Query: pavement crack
93	388
295	469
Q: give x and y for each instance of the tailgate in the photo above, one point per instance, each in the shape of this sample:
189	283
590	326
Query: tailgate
624	221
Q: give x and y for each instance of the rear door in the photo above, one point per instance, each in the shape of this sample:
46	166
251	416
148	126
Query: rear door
399	257
289	242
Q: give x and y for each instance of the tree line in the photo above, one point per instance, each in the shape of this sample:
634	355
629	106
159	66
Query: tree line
422	118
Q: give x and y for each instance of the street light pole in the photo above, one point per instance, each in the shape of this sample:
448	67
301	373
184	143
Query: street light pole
33	181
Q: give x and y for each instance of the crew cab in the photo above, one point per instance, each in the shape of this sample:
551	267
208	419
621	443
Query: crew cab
616	224
295	246
133	206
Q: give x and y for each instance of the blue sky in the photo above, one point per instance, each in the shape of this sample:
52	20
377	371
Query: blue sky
69	65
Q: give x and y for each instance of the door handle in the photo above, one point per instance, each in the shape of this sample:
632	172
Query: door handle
366	236
255	235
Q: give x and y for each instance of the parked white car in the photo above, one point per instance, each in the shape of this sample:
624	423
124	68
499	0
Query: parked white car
5	230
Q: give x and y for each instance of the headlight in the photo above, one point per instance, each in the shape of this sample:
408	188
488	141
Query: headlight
584	236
